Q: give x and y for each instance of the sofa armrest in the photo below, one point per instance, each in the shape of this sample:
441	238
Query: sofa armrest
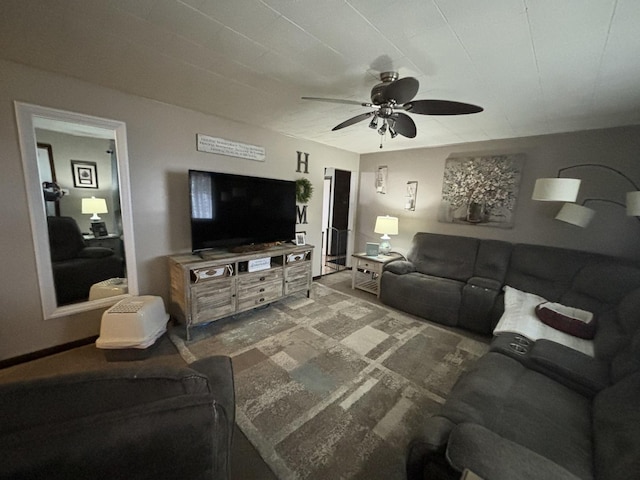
95	252
430	444
400	267
494	457
570	367
219	371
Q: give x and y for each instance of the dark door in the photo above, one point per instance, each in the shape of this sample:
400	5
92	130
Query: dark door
340	217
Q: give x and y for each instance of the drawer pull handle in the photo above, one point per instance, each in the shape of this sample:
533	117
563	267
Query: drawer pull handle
261	290
262	279
261	300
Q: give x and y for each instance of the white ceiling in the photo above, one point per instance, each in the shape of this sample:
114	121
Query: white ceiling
536	66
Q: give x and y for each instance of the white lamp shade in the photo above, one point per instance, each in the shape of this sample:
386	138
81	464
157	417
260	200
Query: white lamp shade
633	204
556	189
94	205
386	225
575	214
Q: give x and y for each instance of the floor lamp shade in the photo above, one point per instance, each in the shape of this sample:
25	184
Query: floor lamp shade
633	204
575	214
556	189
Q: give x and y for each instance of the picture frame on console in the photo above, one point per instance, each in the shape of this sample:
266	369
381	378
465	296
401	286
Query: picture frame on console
300	238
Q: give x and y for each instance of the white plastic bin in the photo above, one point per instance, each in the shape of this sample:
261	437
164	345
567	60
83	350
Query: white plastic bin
135	322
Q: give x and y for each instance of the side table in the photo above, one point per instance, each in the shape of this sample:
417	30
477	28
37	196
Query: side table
366	271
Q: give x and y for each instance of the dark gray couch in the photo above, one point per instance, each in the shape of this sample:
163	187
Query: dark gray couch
542	410
505	420
129	422
76	266
458	281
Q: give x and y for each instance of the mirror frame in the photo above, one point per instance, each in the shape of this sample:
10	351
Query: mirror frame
25	114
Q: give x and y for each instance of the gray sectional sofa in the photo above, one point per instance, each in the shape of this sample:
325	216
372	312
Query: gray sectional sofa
528	409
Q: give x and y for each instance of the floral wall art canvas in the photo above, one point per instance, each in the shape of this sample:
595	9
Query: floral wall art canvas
481	190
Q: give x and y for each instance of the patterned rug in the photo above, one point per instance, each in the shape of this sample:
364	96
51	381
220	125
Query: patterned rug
333	386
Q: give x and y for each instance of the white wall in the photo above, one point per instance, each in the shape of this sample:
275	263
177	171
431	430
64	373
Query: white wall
610	232
161	140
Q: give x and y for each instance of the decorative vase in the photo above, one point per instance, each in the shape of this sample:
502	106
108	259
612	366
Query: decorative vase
475	212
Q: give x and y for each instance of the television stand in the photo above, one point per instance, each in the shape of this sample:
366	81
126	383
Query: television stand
218	284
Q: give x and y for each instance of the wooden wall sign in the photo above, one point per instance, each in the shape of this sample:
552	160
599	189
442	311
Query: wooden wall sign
221	146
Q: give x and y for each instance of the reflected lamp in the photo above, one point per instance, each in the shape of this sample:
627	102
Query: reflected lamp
93	206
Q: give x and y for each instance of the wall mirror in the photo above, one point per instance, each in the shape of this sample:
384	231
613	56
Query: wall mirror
77	181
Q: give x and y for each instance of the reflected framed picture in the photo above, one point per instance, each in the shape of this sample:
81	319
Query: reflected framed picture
85	174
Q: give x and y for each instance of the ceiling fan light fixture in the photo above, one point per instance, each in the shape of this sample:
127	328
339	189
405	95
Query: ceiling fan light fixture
392	95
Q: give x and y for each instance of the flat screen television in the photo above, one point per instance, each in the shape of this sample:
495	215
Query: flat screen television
231	210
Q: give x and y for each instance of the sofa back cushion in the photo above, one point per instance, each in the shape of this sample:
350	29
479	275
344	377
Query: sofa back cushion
544	271
493	259
135	424
65	238
447	256
601	284
616	430
34	402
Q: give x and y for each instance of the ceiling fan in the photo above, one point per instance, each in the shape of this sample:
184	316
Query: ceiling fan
395	94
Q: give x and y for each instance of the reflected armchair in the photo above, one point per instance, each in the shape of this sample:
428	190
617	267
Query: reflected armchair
75	266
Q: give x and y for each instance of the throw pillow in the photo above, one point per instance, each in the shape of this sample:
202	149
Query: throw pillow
576	322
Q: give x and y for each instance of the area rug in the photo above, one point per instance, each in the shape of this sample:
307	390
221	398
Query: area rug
333	386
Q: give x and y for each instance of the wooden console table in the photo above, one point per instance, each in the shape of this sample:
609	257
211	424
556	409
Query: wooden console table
216	284
366	271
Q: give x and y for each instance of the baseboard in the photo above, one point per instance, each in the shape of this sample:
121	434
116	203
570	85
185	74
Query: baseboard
10	362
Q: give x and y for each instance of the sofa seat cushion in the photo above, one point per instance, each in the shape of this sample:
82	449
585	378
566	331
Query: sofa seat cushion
434	298
525	407
491	456
616	424
520	317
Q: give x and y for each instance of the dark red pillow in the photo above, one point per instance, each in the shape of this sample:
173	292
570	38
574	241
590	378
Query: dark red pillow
573	321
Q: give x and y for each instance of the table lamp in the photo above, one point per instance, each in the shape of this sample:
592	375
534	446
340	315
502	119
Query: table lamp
387	226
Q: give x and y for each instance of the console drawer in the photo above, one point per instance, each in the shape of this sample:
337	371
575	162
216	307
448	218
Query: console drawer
256	295
257	278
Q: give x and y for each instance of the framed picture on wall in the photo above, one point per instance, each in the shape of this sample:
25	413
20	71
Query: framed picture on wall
85	174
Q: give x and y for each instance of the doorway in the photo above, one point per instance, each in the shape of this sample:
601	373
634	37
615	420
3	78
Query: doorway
335	220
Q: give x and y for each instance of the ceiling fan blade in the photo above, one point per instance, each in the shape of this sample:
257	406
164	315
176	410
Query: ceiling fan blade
404	125
351	121
338	100
441	107
401	90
